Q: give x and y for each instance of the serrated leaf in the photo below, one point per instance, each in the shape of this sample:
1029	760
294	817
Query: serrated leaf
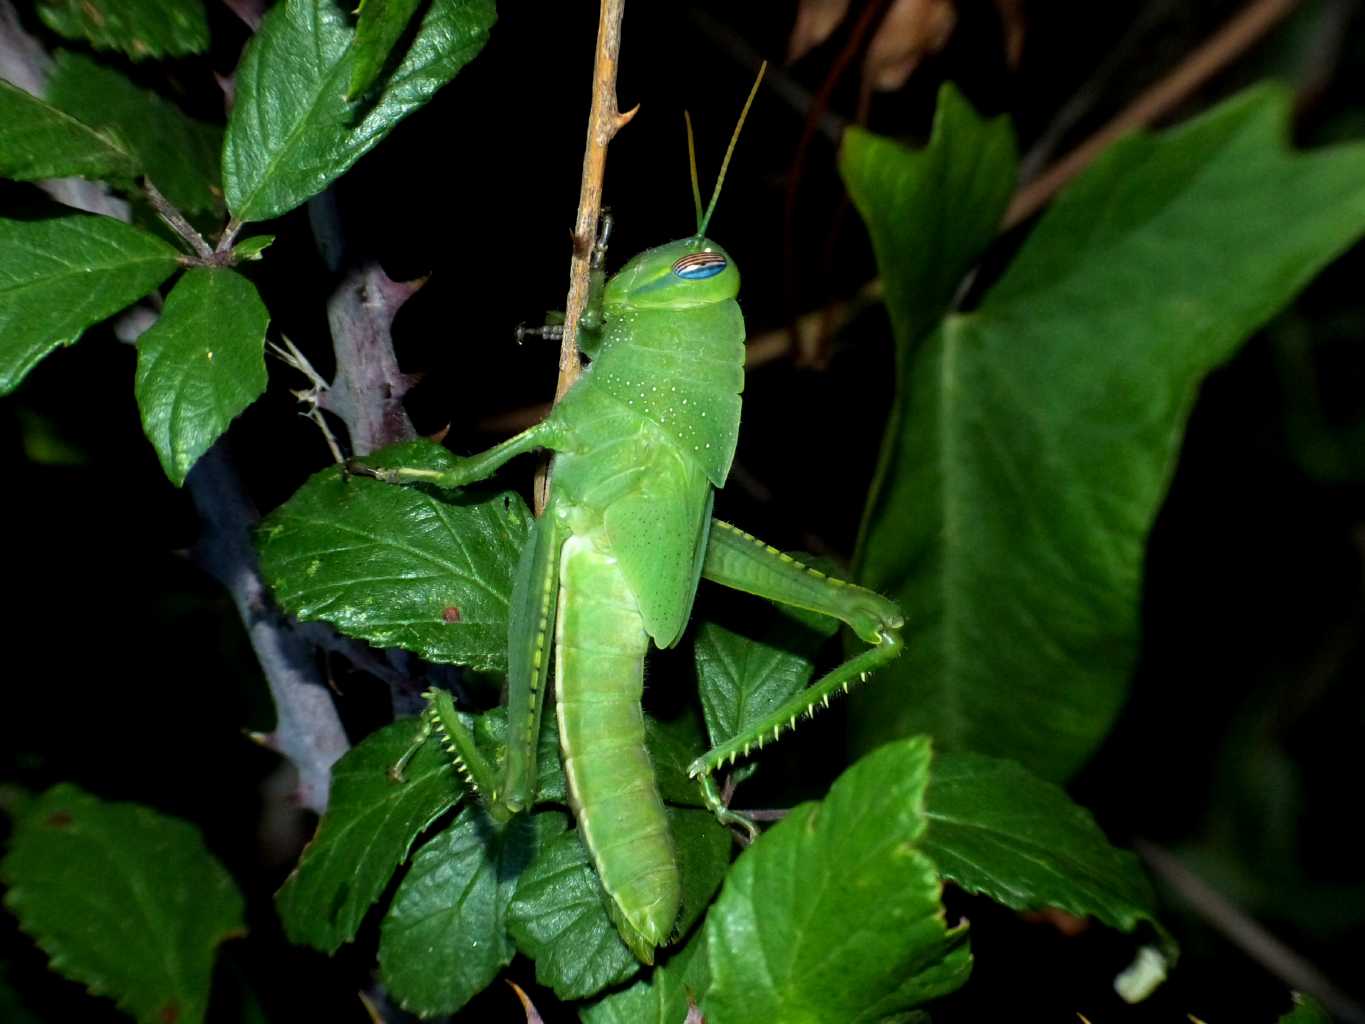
834	914
124	900
179	155
445	938
200	365
558	919
663	996
399	566
743	676
672	746
293	132
59	276
379	26
1041	430
370	825
702	846
37	141
998	830
490	731
138	28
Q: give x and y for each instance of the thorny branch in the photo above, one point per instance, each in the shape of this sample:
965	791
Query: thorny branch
604	121
308	731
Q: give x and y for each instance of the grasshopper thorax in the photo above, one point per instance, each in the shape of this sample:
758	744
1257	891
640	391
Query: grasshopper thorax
689	272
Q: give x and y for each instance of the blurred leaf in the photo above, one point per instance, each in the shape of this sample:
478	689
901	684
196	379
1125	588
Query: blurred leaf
385	563
251	248
37	141
816	20
370	825
292	131
660	998
910	31
139	28
200	365
1307	1010
833	914
1041	430
122	899
445	938
744	676
58	276
178	154
378	28
997	830
559	919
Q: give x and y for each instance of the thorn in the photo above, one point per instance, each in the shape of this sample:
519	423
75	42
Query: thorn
846	686
623	119
792	723
746	750
776	730
440	435
825	700
732	757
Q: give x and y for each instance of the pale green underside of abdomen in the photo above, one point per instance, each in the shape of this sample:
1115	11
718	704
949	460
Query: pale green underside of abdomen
600	646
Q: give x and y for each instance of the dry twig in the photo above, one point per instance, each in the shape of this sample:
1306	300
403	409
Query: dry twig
604	121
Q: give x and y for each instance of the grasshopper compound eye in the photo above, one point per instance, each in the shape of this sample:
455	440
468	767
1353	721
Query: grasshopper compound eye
697	266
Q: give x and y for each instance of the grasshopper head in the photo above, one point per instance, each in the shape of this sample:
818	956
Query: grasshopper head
689	272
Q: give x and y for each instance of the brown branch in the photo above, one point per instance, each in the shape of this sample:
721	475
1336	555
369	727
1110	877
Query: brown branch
604	121
1227	44
176	220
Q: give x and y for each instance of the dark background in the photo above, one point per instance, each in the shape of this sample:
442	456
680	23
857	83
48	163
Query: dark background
127	670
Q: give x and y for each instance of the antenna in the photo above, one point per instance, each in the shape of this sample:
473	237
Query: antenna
692	162
702	221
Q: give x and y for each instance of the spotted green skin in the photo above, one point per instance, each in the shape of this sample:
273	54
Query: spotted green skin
642	440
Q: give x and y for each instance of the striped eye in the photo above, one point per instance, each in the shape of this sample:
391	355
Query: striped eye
697	266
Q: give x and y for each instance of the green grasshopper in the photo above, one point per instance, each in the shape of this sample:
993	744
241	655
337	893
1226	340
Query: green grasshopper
641	442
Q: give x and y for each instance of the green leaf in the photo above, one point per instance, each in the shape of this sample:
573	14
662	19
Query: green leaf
672	746
252	248
399	566
370	825
139	28
59	276
702	846
200	365
663	996
1041	430
292	131
744	676
378	28
834	914
445	938
124	900
560	921
490	732
39	141
998	830
930	212
178	154
1307	1010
